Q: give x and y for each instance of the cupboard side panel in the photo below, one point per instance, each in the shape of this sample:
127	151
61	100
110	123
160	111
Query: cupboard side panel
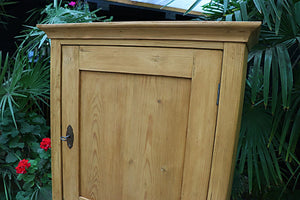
55	119
228	121
201	127
70	98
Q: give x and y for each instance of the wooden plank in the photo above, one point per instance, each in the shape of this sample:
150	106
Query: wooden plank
141	60
246	32
55	119
202	121
147	43
228	122
133	131
70	98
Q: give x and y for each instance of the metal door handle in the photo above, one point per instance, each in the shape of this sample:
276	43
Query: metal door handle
69	137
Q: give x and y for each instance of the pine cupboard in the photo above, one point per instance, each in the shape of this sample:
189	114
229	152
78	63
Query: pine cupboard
146	110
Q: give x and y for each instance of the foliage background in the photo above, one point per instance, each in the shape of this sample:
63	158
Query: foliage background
24	98
267	165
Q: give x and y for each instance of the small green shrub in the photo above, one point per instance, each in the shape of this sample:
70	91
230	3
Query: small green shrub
24	143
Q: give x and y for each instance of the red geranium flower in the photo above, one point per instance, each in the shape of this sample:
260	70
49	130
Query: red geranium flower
46	144
22	166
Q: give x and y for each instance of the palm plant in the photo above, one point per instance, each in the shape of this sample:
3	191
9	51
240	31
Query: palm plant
23	83
270	128
56	13
3	14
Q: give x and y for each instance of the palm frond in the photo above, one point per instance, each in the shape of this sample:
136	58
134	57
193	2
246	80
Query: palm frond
28	82
34	38
253	152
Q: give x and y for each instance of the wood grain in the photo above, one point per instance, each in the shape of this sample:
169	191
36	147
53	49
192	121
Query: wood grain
202	124
55	121
147	43
133	131
138	60
228	122
246	32
70	114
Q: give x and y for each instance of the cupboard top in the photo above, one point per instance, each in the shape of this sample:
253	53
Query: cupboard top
245	32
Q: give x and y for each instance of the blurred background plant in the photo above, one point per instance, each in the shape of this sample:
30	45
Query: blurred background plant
24	100
267	165
58	12
3	13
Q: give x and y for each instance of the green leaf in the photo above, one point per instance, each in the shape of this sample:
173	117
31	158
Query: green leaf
295	133
275	160
192	6
275	79
17	145
38	120
255	81
42	41
228	17
278	20
267	71
289	76
3	139
297	12
27	128
237	15
257	5
11	158
10	104
45	193
274	8
244	10
266	14
28	177
171	1
28	185
285	129
243	156
4	68
250	169
276	121
14	132
21	195
255	160
264	166
283	75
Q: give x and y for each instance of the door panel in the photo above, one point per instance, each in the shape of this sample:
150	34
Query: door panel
132	135
142	131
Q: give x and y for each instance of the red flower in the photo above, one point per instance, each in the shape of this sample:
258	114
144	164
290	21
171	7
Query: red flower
22	166
46	144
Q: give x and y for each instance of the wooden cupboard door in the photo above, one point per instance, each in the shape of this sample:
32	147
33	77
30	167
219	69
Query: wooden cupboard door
143	121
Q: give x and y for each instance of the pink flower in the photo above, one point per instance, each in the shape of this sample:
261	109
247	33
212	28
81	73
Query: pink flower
72	3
